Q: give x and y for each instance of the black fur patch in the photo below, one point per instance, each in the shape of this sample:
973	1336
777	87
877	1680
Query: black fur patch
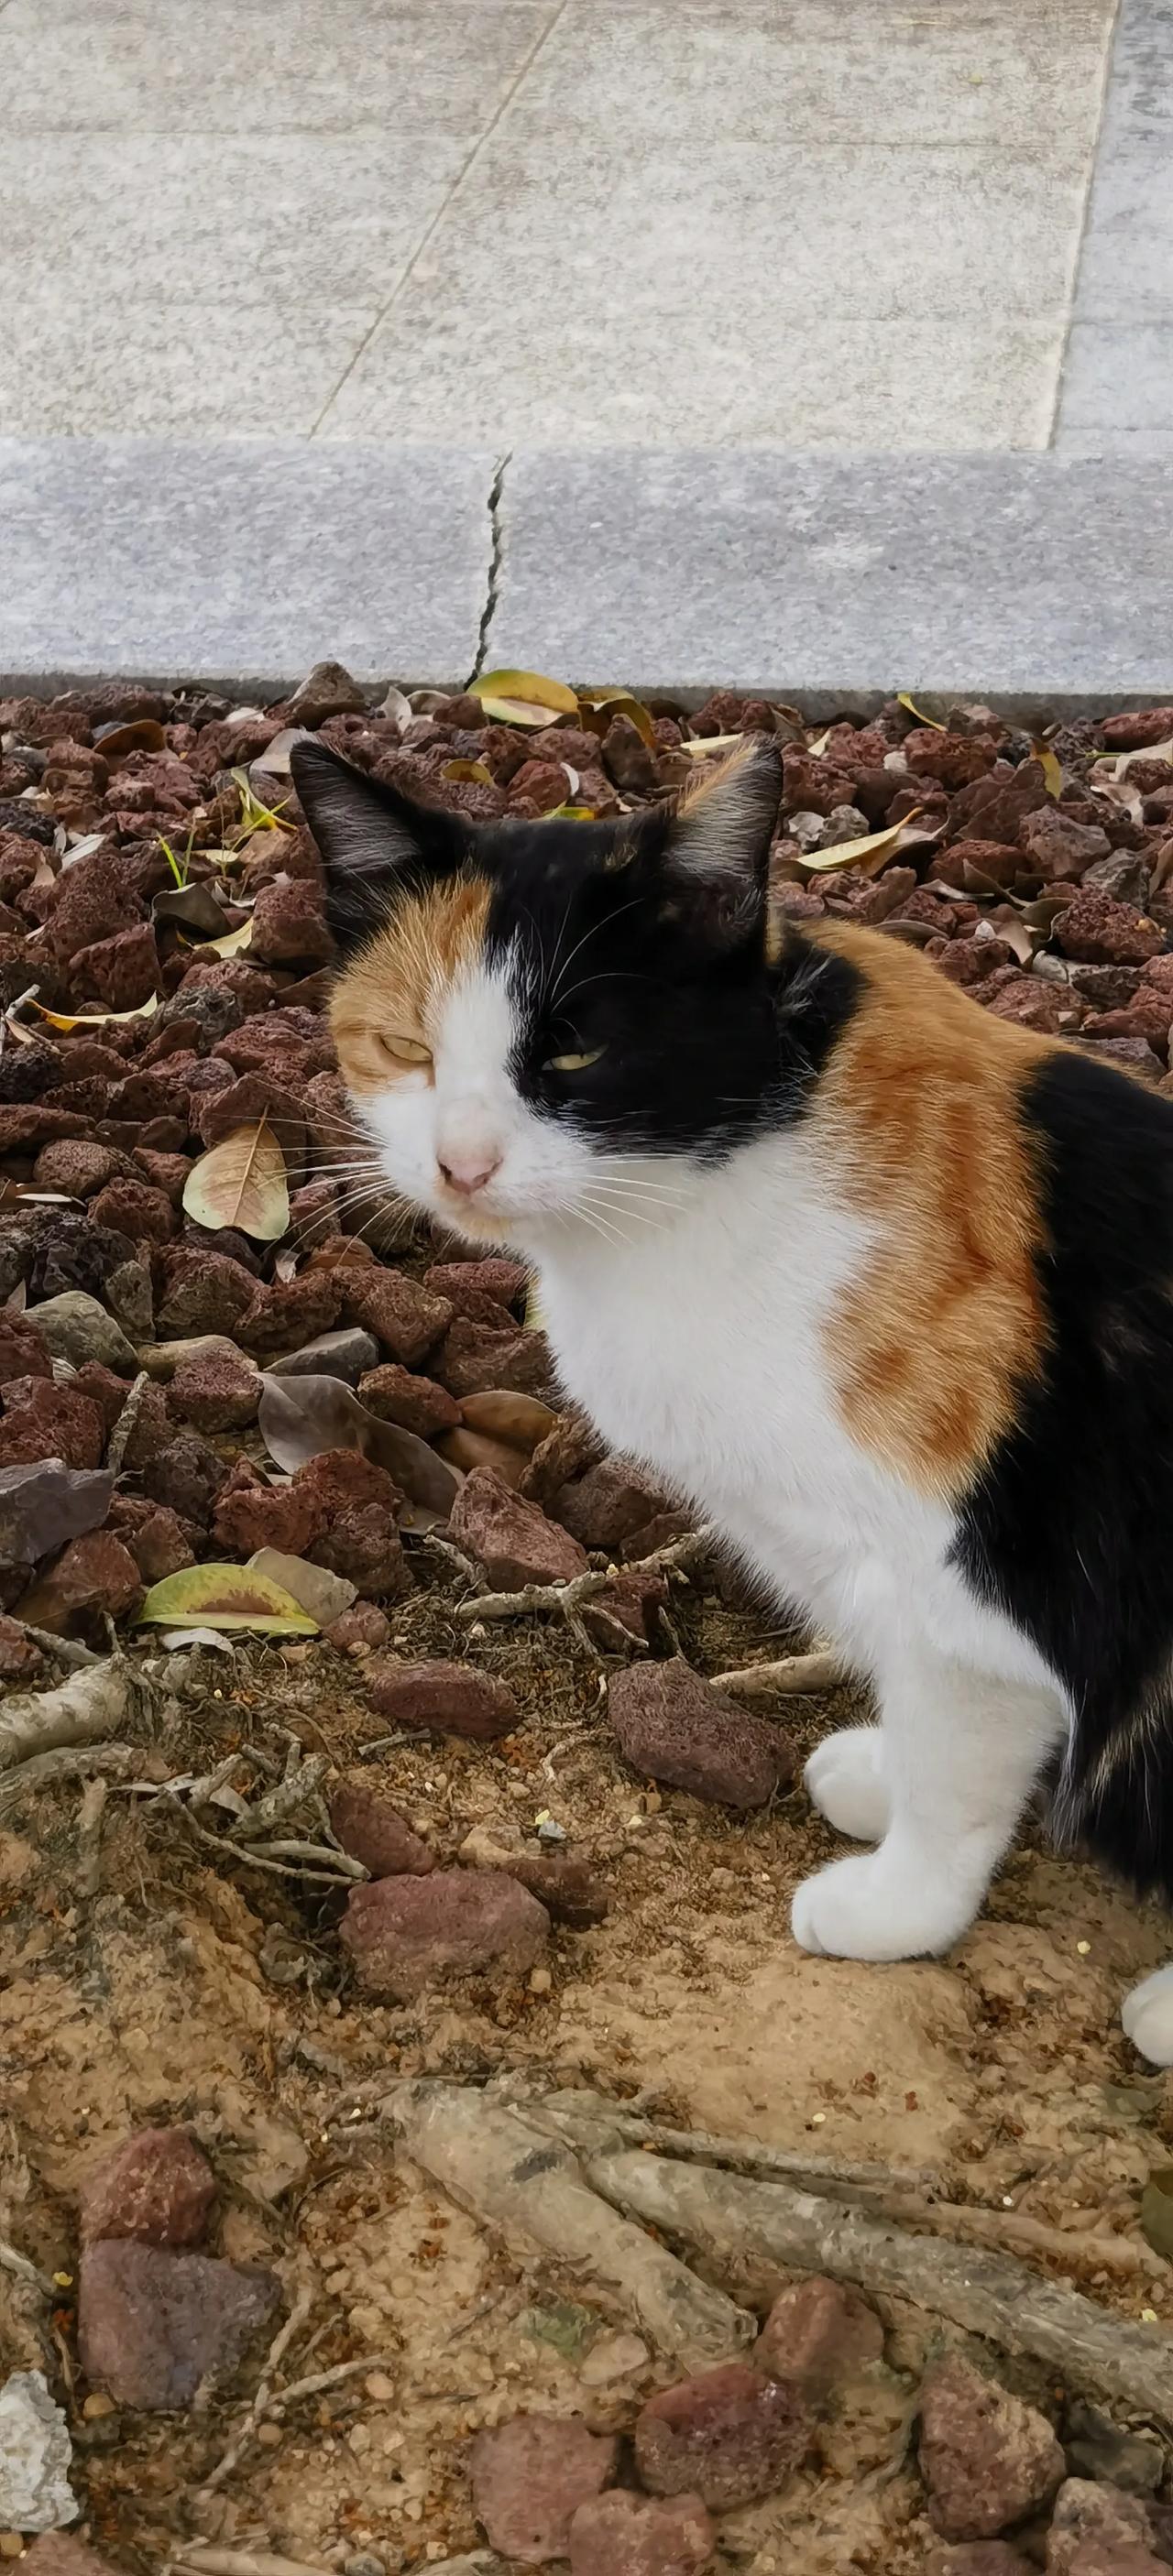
644	939
1071	1530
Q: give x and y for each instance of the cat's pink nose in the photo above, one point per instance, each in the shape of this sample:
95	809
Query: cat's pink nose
468	1173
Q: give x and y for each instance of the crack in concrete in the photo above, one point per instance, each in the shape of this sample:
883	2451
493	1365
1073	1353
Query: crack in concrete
488	612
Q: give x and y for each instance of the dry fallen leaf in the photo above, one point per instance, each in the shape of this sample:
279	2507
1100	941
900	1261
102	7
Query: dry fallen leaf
230	944
93	1019
1050	765
703	744
867	854
474	770
911	708
194	906
301	1416
225	1596
242	1182
525	698
140	733
597	706
322	1595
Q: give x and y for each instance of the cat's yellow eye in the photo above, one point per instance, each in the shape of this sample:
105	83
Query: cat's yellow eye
574	1063
404	1050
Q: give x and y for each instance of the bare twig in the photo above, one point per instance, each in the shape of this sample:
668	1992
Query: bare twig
45	1770
67	1651
516	2176
89	1836
590	2122
82	1710
756	2231
119	1440
22	2270
204	2558
567	1598
1015	2228
256	1860
285	2335
822	1670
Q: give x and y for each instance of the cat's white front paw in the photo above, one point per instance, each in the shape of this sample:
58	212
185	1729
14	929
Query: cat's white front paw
864	1909
1147	2015
845	1780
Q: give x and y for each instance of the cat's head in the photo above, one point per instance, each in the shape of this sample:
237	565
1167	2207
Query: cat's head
529	1014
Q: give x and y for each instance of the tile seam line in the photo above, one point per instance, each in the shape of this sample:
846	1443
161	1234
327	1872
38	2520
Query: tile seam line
1106	77
449	198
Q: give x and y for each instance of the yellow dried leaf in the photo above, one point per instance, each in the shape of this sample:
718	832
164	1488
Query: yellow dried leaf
819	745
867	855
703	744
94	1019
524	698
229	944
241	1182
225	1596
1050	765
597	706
911	708
468	769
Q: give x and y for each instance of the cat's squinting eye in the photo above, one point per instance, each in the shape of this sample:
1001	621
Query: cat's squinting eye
404	1050
573	1063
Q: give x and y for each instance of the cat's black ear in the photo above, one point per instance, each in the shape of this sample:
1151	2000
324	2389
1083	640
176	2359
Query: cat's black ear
373	839
717	856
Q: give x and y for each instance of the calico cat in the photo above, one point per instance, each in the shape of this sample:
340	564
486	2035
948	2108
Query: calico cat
882	1282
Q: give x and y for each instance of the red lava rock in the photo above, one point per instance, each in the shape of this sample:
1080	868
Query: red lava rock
987	2458
1097	2530
1132	1055
395	1394
287	1312
1060	846
156	1537
1135	732
20	1659
95	898
215	1393
531	2476
151	1431
241	1103
631	1600
187	1475
1033	1002
569	1891
608	1504
1099	931
92	1575
442	1698
289	926
25	1126
44	1503
22	1352
404	1316
75	1167
250	1515
1147	1016
292	1045
361	1630
474	1358
202	1293
102	1388
511	1538
154	2326
158	2187
629	2535
673	1726
727	2436
137	1210
374	1832
506	1282
818	2332
57	2553
42	1420
405	1934
123	971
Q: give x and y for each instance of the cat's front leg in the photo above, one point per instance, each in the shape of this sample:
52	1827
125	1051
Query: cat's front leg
961	1752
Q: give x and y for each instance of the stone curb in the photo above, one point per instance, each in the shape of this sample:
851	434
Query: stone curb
1037	581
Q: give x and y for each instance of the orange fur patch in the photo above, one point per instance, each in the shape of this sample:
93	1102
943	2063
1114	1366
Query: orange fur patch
395	987
921	1101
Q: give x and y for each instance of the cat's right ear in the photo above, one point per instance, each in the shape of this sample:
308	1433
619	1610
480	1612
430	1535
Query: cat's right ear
374	841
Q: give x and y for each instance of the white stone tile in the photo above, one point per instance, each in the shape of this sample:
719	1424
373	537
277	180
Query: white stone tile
254	67
163	219
194	370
